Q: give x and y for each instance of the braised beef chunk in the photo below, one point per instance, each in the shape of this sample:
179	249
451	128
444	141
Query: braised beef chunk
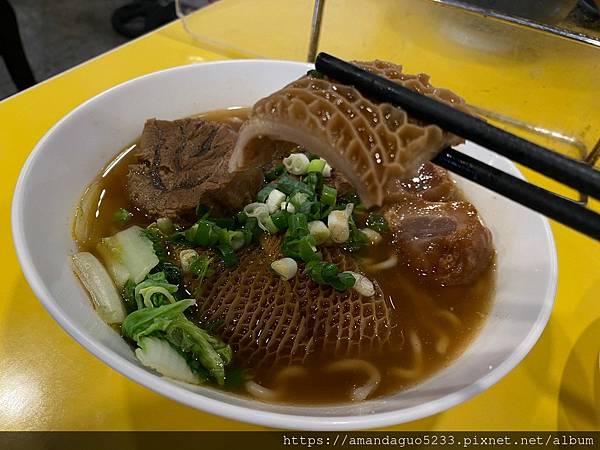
183	163
445	240
432	183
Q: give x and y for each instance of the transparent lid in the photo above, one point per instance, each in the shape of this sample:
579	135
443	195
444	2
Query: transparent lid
541	85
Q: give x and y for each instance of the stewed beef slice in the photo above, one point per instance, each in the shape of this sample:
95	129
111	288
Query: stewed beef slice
185	162
443	240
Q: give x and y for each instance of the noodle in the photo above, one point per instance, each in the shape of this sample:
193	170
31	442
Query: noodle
392	261
290	372
259	391
359	393
415	371
442	338
450	317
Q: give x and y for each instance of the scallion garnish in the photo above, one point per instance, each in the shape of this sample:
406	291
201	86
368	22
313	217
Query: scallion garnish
121	215
377	222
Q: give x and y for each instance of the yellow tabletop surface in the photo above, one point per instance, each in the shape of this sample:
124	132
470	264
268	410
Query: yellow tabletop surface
49	382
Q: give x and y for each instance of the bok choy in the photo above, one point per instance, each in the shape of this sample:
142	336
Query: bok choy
128	255
167	322
161	356
97	281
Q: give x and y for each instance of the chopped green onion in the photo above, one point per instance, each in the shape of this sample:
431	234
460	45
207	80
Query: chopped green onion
241	217
319	231
280	219
202	211
251	226
345	280
298	225
373	236
274	172
377	222
323	272
165	225
313	180
201	269
121	215
357	238
337	222
316	165
256	209
327	170
274	200
300	248
288	185
190	233
286	268
236	239
224	222
361	284
263	194
307	250
313	73
296	163
328	195
186	258
227	255
311	209
207	234
298	199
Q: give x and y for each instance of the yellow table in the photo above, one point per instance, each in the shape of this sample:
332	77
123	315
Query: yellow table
48	382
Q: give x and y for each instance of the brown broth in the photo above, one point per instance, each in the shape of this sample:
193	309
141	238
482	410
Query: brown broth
417	306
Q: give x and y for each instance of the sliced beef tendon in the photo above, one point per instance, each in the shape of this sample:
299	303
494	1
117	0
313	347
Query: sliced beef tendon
183	163
432	183
443	240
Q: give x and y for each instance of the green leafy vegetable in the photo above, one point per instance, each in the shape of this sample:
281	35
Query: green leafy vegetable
171	271
168	322
121	215
201	270
128	255
128	295
158	244
154	291
161	356
146	321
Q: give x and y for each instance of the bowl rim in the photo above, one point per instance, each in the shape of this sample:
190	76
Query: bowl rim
238	412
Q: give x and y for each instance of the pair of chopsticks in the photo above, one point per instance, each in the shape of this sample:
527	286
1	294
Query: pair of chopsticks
566	170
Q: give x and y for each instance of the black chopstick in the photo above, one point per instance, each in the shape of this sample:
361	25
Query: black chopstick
562	168
545	202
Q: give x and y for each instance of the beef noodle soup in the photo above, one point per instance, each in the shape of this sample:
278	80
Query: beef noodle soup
275	280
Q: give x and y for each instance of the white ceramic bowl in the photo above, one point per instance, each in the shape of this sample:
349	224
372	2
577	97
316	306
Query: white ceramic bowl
70	155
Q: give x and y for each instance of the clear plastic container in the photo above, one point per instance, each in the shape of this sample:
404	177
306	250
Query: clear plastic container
532	82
